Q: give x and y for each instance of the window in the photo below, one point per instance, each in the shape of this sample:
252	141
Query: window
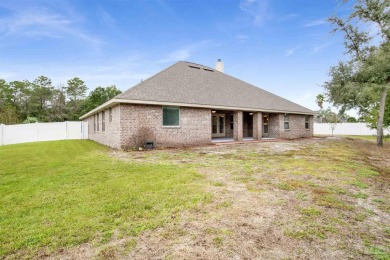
94	122
231	121
110	114
286	122
97	122
222	124
103	122
171	116
307	122
265	124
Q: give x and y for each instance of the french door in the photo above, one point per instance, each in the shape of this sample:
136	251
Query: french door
265	125
218	125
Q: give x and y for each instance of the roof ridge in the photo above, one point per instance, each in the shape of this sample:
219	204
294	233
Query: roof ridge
198	64
143	81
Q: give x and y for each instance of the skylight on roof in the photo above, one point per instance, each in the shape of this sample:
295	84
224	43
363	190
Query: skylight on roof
208	69
195	67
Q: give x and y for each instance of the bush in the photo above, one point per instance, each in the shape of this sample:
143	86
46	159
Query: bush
30	120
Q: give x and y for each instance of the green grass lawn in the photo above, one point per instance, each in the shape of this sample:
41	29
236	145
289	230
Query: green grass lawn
60	194
310	198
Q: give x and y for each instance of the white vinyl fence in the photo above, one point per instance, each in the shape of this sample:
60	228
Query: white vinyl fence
345	129
24	133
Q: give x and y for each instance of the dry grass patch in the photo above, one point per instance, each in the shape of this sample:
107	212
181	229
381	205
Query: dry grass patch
280	199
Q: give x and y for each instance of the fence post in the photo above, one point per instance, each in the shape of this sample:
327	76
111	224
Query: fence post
37	127
66	130
1	134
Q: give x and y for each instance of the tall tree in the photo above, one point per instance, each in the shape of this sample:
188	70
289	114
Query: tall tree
320	100
75	91
8	113
41	95
59	104
20	93
99	96
364	79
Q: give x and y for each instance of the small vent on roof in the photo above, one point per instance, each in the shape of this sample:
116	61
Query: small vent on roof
208	69
194	67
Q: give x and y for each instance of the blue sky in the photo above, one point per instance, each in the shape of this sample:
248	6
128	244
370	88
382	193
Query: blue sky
283	46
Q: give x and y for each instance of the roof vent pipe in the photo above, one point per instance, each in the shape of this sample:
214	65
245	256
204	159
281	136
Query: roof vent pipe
219	65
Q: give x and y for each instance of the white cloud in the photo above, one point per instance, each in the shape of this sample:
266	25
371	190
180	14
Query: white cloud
315	23
184	53
178	55
242	38
306	99
106	17
256	9
41	22
318	48
291	51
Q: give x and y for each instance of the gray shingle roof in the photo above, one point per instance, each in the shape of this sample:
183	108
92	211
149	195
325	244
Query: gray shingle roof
191	83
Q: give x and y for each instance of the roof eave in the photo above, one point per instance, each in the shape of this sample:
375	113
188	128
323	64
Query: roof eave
116	101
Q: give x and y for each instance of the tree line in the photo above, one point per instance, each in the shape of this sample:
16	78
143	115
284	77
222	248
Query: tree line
369	116
41	101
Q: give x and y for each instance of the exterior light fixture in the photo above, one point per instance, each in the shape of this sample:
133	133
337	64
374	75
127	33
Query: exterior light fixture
213	111
251	113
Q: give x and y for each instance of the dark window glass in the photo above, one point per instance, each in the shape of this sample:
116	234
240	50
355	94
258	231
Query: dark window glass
214	125
265	124
307	122
221	124
97	122
286	122
171	116
110	114
103	122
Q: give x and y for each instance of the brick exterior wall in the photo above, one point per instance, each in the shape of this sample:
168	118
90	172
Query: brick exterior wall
273	126
238	126
297	126
257	125
132	125
140	123
228	121
111	135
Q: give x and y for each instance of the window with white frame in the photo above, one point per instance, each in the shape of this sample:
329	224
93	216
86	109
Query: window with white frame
110	114
286	122
171	116
307	122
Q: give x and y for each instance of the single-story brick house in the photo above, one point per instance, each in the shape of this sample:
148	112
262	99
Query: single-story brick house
191	104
